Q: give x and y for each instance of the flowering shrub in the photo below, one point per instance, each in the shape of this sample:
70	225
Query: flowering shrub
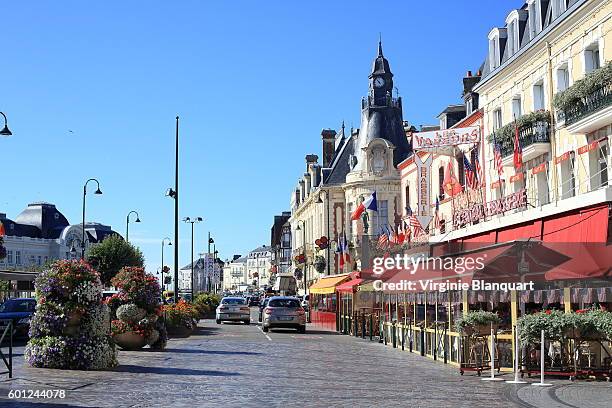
137	307
130	313
206	303
69	328
181	314
476	318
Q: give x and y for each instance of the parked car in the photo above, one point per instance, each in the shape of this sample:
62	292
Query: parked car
233	309
284	311
262	306
20	311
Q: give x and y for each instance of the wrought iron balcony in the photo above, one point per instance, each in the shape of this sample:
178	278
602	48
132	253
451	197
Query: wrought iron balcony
593	102
529	134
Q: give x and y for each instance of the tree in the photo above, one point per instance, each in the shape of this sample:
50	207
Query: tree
112	254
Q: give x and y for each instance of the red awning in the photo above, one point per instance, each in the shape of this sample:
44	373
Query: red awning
349	286
588	261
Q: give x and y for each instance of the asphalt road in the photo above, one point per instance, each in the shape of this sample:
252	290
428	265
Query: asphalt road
237	365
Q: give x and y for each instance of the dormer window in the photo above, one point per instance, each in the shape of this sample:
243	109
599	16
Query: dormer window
497	39
512	26
534	8
558	7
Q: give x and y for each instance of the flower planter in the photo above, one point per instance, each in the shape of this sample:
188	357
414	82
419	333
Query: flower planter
480	330
129	341
179	331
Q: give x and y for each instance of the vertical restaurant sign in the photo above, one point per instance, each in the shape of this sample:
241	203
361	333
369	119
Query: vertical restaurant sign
423	190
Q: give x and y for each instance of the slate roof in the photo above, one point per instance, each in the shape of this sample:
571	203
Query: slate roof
547	24
340	165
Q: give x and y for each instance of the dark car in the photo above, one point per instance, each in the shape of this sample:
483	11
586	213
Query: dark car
253	301
20	311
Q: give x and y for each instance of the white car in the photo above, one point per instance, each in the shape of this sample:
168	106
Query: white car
233	309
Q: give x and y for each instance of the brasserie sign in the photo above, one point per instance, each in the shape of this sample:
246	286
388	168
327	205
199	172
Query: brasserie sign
444	139
478	212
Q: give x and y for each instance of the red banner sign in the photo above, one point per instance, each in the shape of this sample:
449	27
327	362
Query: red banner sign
539	169
516	177
562	158
589	147
499	206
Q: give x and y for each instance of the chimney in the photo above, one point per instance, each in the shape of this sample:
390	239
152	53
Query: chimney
329	137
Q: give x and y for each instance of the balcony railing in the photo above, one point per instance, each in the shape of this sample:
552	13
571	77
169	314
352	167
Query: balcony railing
595	101
536	132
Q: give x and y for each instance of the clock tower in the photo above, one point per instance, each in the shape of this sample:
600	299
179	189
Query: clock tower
381	118
381	80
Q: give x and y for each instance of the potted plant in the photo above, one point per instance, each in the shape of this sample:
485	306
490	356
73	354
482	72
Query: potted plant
319	264
478	323
69	329
136	308
180	318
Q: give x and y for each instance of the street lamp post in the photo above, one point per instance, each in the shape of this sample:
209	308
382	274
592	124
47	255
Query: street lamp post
210	241
192	221
162	261
303	228
127	224
98	191
328	237
173	193
5	130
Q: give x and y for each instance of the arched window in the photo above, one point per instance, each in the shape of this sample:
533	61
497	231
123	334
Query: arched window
407	196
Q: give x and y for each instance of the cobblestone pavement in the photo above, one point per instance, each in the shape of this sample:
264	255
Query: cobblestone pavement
235	365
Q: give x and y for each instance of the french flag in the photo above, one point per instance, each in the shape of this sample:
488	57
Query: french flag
368	204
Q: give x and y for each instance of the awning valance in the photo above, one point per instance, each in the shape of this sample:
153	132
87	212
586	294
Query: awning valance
328	284
349	286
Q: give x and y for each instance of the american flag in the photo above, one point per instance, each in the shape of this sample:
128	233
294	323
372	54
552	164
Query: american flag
413	221
392	236
470	176
383	240
498	160
479	173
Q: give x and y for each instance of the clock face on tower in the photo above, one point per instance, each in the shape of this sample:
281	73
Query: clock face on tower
379	82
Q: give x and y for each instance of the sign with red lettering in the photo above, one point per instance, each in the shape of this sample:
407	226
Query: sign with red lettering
589	147
516	177
538	169
562	158
443	141
480	211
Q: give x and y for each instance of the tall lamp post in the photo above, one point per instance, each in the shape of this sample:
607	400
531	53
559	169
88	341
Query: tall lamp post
127	224
5	130
319	201
192	221
210	241
162	261
173	193
98	191
303	229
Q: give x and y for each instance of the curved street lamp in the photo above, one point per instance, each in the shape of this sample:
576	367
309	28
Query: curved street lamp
98	192
5	130
127	224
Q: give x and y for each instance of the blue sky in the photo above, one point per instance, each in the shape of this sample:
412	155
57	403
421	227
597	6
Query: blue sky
253	82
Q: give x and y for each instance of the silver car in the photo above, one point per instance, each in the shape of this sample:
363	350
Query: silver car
233	309
284	311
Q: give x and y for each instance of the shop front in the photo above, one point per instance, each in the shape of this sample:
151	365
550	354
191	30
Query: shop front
324	307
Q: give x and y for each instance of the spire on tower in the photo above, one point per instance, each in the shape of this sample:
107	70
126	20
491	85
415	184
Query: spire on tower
380	52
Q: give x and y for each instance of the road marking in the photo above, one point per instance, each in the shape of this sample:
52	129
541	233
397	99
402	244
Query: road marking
262	332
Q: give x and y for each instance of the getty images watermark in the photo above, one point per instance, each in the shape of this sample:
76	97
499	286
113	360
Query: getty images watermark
439	274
